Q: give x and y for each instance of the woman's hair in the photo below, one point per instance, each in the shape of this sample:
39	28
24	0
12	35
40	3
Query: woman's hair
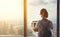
45	12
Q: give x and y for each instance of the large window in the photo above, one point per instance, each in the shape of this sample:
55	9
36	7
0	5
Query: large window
33	14
11	18
16	16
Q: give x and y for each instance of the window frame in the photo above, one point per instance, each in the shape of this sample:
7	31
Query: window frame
25	20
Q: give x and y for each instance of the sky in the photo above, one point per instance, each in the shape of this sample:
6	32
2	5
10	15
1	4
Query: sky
11	9
34	7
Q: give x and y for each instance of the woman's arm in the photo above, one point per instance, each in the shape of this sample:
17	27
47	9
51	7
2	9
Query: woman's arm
51	25
35	29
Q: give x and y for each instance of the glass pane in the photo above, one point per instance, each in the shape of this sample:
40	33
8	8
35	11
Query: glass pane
33	14
11	18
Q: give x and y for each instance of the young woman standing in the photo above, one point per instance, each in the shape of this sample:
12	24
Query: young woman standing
44	25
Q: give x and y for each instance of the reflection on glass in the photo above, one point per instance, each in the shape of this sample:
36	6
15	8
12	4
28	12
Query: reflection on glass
33	14
11	18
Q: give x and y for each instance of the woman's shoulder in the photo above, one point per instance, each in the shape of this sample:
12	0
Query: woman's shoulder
50	21
43	21
39	20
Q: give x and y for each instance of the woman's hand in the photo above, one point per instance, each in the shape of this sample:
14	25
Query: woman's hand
35	29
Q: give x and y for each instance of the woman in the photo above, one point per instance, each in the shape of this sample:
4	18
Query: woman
44	25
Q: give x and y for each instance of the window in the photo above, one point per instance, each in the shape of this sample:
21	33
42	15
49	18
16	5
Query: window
11	18
16	16
33	14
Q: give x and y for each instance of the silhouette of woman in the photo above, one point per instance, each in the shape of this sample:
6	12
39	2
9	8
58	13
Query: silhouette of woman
44	25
